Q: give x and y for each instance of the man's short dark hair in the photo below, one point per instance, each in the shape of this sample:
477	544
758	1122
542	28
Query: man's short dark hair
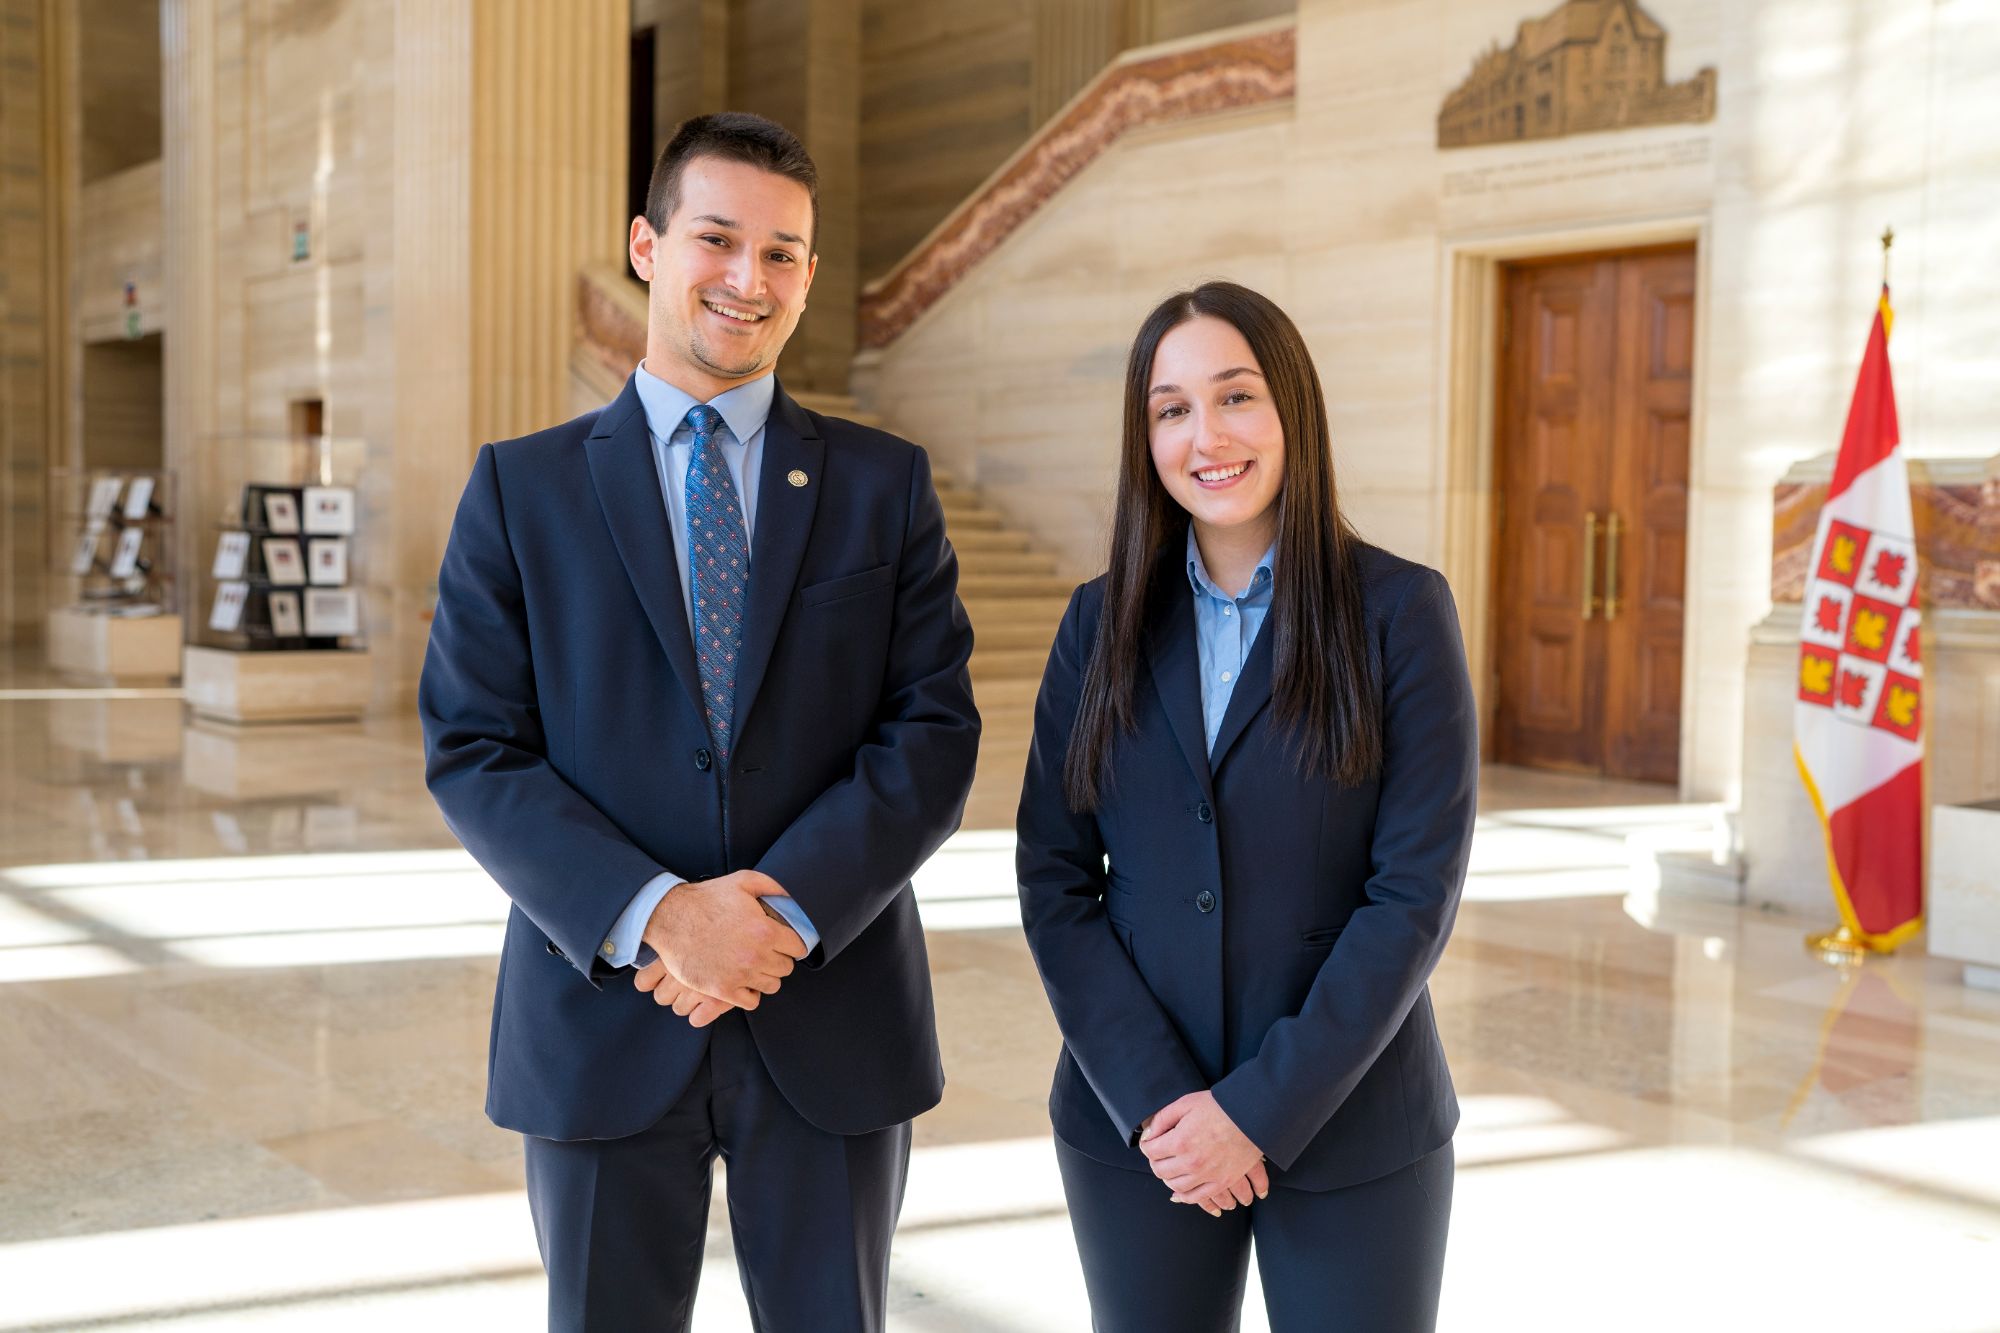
734	136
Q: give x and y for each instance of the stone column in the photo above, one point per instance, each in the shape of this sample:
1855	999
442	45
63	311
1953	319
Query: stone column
202	215
32	318
800	64
548	194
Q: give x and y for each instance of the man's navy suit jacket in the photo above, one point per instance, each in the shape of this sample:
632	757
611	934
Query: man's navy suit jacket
1258	932
566	745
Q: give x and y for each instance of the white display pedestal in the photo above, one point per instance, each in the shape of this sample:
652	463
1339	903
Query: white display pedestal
243	687
125	650
1964	909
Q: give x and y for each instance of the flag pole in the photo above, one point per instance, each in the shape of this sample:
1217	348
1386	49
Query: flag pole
1843	947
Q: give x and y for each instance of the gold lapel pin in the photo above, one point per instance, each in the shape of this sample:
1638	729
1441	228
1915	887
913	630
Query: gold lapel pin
796	477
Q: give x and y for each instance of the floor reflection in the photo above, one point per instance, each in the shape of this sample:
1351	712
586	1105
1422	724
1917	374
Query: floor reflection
244	985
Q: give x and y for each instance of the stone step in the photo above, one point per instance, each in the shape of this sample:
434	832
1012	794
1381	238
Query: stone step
1004	636
993	805
1002	753
1004	692
981	585
840	405
970	519
1007	663
989	539
983	562
1045	612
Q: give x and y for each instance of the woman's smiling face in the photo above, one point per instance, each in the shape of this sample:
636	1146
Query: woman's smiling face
1216	439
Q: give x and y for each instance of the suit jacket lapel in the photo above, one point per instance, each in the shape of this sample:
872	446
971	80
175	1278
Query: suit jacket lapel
1252	692
1175	662
784	522
620	454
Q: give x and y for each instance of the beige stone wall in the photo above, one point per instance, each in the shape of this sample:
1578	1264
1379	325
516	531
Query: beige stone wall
33	317
117	240
121	403
117	84
1384	250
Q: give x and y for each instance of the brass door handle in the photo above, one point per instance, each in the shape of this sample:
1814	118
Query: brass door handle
1613	530
1589	563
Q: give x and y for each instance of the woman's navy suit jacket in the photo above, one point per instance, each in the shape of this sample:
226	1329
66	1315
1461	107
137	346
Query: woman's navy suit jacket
1227	922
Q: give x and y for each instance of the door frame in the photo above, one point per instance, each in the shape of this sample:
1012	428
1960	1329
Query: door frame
1468	424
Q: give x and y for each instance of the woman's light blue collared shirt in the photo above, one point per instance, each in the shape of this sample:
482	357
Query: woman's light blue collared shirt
1225	627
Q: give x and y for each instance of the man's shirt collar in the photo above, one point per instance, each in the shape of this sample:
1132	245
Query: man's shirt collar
745	409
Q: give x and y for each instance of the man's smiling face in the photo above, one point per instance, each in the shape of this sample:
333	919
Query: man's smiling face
728	275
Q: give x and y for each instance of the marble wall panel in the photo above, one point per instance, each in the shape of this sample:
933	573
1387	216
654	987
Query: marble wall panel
121	403
118	241
944	101
1400	521
117	85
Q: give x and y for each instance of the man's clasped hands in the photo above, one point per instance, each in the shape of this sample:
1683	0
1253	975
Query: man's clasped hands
720	947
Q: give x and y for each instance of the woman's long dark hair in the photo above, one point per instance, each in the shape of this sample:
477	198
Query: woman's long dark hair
1324	681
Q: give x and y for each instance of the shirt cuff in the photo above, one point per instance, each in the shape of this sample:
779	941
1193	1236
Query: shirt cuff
622	946
795	917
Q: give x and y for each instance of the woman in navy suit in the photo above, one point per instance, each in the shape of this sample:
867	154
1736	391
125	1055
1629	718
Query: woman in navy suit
1243	832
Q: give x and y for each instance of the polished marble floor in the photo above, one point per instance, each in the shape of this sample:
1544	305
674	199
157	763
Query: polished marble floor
244	980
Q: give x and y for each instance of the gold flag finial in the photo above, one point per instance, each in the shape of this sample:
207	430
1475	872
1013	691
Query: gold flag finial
1888	239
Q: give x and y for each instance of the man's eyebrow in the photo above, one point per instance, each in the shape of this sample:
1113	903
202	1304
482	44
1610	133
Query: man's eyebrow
714	219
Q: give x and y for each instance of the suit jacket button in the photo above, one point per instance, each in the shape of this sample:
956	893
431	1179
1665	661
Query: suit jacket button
1205	900
702	759
1204	814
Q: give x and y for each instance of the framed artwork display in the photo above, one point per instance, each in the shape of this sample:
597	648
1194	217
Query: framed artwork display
138	498
282	561
326	561
103	495
329	511
85	556
285	621
227	613
281	512
232	553
125	560
332	612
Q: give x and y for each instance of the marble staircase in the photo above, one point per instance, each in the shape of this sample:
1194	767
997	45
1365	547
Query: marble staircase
1015	598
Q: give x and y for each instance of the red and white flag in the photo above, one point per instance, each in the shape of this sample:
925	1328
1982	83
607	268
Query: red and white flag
1859	718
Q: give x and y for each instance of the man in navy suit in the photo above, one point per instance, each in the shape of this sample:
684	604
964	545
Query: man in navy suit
696	697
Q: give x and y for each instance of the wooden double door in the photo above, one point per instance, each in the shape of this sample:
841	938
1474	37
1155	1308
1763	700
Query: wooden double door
1597	377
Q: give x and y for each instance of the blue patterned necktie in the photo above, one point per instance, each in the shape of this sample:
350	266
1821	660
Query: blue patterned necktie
718	572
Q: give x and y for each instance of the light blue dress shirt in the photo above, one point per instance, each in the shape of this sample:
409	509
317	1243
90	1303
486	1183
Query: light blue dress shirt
745	409
1224	629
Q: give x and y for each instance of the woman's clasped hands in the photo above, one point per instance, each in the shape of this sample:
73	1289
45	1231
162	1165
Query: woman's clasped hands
1200	1154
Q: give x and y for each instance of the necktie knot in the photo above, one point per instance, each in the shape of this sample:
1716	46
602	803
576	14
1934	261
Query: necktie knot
703	420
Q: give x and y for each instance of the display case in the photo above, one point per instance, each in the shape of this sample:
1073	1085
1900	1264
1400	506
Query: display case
283	635
115	591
